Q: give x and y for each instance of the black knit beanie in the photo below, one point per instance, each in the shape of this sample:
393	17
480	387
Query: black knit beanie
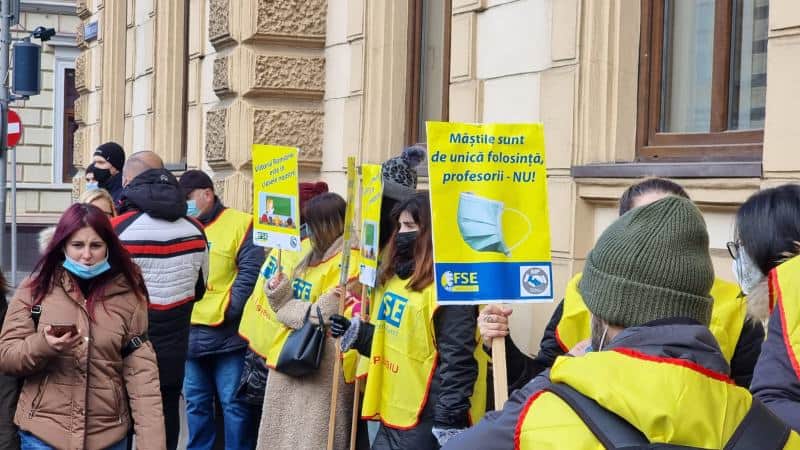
113	153
652	263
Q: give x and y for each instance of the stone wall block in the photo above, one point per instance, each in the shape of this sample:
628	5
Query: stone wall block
299	128
219	22
79	144
295	21
236	191
80	37
222	78
216	125
81	73
296	76
81	110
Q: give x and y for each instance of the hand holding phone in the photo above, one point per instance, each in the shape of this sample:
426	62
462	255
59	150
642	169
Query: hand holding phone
62	337
59	330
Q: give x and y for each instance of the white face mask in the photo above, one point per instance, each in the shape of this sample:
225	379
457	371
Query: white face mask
747	273
480	221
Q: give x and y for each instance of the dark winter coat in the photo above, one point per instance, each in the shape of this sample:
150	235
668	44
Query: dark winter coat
114	187
205	340
172	251
672	338
775	381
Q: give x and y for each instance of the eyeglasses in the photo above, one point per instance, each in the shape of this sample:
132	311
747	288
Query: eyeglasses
733	248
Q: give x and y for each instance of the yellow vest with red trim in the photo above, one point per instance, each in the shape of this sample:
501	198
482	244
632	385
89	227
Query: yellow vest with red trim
225	236
669	400
258	316
727	316
784	288
267	335
404	357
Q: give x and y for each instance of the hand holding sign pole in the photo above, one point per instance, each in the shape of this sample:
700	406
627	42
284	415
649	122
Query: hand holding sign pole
343	277
491	231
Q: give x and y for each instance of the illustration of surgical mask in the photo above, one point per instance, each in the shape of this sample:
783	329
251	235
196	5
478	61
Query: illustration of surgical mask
480	221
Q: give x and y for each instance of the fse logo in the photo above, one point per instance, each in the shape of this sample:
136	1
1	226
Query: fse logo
392	308
460	281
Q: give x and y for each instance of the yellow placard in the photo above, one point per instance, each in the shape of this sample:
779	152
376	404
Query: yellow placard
371	194
276	205
491	231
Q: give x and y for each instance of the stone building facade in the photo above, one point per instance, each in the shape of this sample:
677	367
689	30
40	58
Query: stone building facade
199	81
45	153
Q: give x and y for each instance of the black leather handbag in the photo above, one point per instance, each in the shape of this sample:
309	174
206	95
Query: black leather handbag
302	351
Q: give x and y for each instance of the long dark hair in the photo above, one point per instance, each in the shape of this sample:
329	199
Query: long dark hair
419	207
324	216
647	186
768	225
49	265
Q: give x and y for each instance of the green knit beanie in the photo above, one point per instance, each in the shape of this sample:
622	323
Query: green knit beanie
652	263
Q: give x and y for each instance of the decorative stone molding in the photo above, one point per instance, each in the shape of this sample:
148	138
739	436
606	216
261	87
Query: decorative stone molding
216	124
219	29
298	128
293	22
297	76
81	75
221	80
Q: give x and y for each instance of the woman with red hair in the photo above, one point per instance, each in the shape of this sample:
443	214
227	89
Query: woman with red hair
76	332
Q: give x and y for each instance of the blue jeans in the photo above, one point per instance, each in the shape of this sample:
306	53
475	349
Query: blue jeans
30	442
210	378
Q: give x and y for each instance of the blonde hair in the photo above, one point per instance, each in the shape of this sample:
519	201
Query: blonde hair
98	194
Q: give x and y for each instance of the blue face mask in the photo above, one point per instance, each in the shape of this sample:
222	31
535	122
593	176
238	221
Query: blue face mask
82	270
481	225
92	185
191	208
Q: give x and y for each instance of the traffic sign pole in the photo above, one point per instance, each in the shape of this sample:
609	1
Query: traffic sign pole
5	46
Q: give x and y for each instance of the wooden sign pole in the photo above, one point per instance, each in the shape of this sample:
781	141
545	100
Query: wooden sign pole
357	397
344	270
500	375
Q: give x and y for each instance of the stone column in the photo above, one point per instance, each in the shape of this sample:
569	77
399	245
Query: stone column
112	107
170	80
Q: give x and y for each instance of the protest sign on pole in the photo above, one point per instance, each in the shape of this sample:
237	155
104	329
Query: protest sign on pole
276	205
491	230
370	202
371	194
343	277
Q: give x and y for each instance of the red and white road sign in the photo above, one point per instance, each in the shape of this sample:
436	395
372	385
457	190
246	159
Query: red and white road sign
14	128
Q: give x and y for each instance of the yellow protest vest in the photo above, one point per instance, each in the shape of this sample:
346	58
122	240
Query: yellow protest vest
404	358
669	400
261	327
727	316
225	235
258	315
784	288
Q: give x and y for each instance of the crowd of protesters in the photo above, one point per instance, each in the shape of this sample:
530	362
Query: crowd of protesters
150	289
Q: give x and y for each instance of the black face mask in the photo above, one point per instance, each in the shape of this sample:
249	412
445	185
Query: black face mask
404	253
102	175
